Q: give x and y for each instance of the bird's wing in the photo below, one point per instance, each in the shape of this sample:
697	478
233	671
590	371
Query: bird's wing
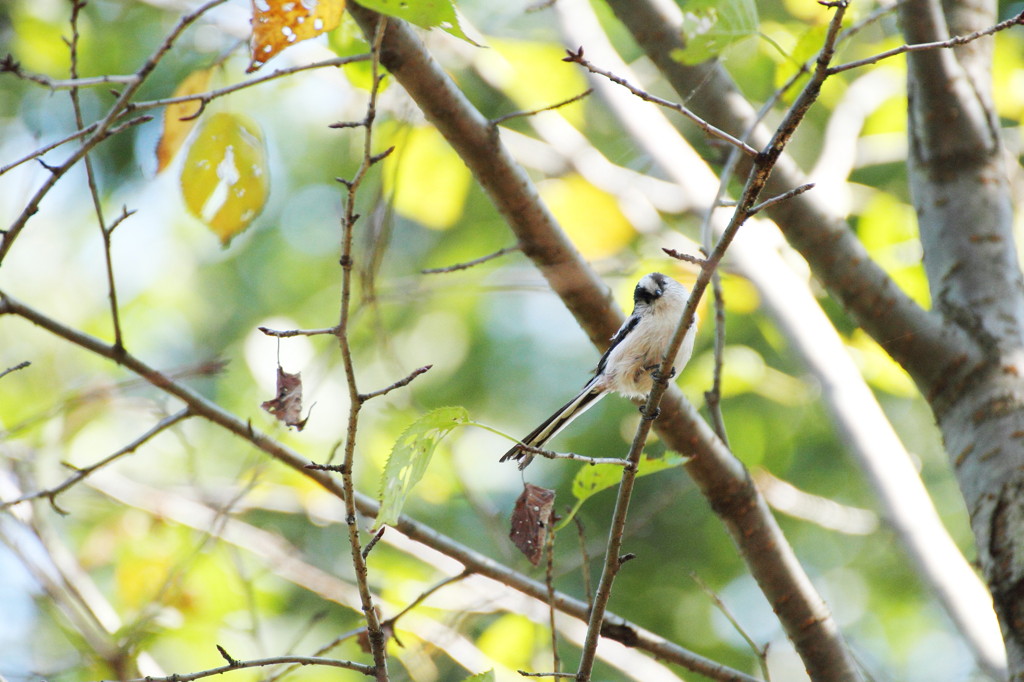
629	325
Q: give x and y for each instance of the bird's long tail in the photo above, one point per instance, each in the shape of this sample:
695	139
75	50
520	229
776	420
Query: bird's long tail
586	399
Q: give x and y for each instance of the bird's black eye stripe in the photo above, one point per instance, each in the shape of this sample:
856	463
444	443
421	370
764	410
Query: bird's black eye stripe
643	294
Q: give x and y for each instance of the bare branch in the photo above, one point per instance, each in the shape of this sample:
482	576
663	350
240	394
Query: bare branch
534	112
283	334
475	261
479	563
759	652
796	191
44	149
616	461
376	636
390	622
577	58
363	397
367	670
207	97
551	674
15	368
955	41
81	474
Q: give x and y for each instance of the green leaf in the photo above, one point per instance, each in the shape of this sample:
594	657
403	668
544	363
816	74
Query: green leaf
593	478
411	455
710	26
225	179
423	13
488	676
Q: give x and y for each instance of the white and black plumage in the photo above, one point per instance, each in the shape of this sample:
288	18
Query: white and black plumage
635	352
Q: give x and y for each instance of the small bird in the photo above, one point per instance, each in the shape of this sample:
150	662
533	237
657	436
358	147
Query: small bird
626	367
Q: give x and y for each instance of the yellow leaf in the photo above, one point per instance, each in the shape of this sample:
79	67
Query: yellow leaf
176	127
590	216
430	182
225	179
277	24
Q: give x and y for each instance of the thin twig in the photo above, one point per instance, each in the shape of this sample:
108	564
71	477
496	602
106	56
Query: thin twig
713	397
206	97
955	41
551	674
796	191
685	257
125	215
577	58
518	114
94	192
80	474
363	397
367	670
375	634
373	541
475	261
760	652
283	334
390	622
9	65
573	456
101	133
869	19
44	149
21	365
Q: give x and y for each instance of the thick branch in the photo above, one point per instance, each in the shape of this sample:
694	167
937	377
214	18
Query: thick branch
962	197
199	406
719	474
926	347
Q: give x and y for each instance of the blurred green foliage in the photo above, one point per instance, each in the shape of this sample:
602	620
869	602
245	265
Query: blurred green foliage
500	343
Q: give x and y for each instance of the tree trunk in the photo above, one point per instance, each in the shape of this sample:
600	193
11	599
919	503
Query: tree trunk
960	189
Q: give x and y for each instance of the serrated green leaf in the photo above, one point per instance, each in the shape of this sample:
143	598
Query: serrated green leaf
424	13
488	676
225	179
710	26
410	456
592	479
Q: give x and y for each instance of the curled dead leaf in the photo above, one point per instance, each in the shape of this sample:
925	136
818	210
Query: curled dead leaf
178	118
277	24
287	406
531	520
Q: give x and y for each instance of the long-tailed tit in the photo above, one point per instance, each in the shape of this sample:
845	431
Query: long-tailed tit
626	367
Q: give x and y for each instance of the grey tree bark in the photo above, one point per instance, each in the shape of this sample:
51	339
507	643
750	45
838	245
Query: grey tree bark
964	354
961	192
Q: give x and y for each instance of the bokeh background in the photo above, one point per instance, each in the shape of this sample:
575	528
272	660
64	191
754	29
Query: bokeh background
501	345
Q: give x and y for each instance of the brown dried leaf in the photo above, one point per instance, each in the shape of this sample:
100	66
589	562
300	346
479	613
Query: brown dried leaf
276	24
531	519
175	129
287	406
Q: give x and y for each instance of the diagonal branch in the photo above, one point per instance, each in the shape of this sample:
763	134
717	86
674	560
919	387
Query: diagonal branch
111	124
722	478
933	352
199	406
